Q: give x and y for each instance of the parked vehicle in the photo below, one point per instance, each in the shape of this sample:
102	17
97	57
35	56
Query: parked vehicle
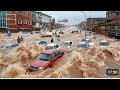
45	59
104	43
35	42
67	44
47	34
43	43
8	46
39	42
83	44
89	42
52	46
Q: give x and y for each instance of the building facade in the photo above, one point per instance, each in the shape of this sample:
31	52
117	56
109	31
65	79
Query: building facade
111	27
42	21
18	20
92	22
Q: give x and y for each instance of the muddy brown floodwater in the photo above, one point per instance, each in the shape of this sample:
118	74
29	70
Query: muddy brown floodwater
76	63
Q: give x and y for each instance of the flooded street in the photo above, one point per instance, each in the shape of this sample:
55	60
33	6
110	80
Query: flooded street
77	63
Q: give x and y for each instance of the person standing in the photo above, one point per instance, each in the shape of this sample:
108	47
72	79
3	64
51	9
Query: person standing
21	38
18	39
58	37
52	40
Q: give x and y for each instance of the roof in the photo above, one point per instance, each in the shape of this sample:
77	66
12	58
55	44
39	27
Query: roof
10	44
102	18
48	51
83	42
42	13
103	41
113	22
36	41
51	44
67	41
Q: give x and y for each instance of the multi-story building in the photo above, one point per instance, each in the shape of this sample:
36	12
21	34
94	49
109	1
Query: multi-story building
18	20
91	22
42	21
113	27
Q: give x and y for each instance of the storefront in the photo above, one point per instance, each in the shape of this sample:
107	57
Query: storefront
111	28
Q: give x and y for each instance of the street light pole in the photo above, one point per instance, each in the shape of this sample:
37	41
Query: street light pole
85	23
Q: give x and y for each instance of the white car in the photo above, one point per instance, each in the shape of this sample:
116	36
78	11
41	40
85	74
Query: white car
104	43
10	45
52	46
89	42
83	44
39	42
67	44
35	42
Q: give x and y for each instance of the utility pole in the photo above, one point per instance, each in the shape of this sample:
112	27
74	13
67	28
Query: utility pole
85	25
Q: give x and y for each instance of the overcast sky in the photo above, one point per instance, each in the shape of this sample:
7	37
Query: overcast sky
72	15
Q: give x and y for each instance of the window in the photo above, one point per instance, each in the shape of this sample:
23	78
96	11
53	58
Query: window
19	21
57	46
29	23
53	55
49	47
44	57
57	53
24	21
